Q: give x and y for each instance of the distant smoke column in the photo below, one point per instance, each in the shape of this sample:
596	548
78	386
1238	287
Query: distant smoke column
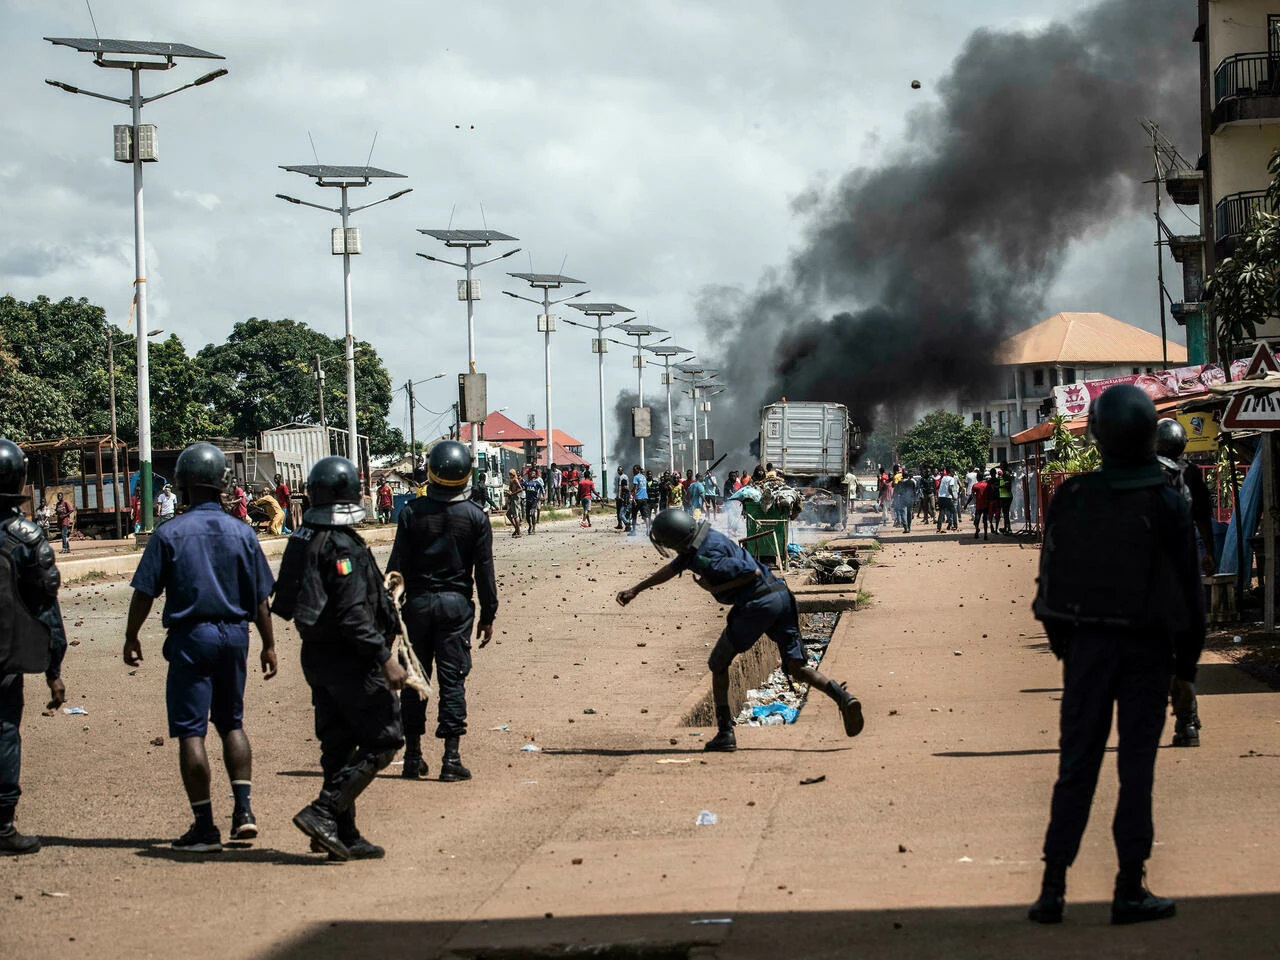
913	270
626	448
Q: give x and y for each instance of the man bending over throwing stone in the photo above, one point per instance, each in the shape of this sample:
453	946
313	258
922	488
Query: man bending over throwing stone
760	604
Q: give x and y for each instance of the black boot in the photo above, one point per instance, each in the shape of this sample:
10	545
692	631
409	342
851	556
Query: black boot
1186	731
724	741
319	820
451	768
414	767
360	848
15	844
1133	902
850	708
1053	894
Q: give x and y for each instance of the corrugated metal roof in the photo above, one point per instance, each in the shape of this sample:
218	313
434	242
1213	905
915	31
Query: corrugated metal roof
1086	338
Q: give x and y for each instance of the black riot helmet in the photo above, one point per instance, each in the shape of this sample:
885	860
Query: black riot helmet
1123	421
675	530
13	473
449	471
1171	438
201	466
333	486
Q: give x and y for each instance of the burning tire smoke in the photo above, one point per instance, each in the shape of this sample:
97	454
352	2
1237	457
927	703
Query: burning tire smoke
912	271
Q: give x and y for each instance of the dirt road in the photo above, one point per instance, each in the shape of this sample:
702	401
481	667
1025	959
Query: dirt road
923	840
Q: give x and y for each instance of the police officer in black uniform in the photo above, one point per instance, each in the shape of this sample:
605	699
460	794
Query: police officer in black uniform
1185	478
444	549
330	586
1120	599
32	639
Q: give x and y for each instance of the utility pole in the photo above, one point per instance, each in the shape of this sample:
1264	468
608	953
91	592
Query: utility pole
600	346
546	282
318	373
1159	180
469	291
413	430
136	144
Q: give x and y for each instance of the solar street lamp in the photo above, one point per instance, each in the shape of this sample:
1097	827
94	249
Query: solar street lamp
639	331
474	391
135	144
345	240
546	282
600	346
666	352
697	377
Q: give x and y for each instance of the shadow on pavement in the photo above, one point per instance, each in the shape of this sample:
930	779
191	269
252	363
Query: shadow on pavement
1240	927
674	752
240	854
104	843
1219	679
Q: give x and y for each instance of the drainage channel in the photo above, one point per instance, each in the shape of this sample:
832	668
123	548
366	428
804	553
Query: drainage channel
775	701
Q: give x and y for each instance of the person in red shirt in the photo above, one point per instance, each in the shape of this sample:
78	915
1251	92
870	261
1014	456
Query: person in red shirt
385	501
981	501
586	490
282	494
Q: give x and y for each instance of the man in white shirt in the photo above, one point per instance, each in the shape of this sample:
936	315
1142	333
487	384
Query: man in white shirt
970	480
948	494
166	504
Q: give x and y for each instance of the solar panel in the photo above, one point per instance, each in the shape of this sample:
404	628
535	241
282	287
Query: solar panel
325	171
689	367
544	279
666	350
638	329
601	308
465	237
145	48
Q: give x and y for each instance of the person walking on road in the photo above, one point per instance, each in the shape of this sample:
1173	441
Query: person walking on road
535	491
586	492
515	496
759	604
1120	598
639	501
332	590
1005	497
444	549
215	580
978	497
34	640
166	504
948	498
385	501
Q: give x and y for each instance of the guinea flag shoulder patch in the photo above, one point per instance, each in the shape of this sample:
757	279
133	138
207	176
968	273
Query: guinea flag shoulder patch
344	567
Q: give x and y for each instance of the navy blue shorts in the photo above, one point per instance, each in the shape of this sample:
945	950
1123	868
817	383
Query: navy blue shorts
206	677
773	614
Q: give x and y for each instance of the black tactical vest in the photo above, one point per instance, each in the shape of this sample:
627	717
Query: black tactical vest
24	639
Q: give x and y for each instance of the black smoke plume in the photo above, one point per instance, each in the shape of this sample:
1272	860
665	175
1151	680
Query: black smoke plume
912	271
625	449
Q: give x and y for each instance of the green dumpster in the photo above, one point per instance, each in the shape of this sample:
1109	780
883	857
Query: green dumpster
768	532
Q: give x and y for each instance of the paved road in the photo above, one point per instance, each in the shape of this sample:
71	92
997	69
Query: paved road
955	766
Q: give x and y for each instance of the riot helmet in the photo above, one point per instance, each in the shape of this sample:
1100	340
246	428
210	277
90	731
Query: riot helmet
333	486
675	530
1123	422
201	466
13	473
1171	438
449	471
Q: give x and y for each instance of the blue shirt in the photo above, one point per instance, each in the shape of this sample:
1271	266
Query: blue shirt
696	493
534	489
720	560
640	484
209	567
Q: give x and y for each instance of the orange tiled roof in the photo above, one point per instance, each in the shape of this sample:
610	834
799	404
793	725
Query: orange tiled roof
1086	338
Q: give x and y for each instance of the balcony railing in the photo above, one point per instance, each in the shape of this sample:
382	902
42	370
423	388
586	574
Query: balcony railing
1235	212
1245	75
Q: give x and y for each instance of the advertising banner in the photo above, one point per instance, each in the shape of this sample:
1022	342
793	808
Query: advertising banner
1074	399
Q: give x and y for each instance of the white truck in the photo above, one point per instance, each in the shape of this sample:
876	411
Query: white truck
809	444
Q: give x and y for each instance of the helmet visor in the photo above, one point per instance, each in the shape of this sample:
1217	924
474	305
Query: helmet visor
662	551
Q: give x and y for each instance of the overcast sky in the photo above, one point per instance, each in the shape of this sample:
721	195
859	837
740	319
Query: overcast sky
651	148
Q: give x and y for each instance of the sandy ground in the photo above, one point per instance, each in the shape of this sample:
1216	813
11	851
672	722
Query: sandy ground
922	841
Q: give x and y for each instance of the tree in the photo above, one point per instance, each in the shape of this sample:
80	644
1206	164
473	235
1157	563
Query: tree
262	378
943	439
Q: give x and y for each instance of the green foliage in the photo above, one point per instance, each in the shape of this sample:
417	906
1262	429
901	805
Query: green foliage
1071	454
54	379
1245	287
943	439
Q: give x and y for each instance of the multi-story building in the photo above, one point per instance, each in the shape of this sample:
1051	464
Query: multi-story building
1066	348
1240	131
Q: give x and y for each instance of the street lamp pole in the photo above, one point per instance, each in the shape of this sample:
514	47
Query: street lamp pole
468	240
639	331
546	326
134	145
345	240
115	436
600	346
666	352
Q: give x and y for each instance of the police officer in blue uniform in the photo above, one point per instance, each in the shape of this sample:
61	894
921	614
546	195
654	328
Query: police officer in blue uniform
215	580
1120	598
444	549
331	588
759	603
32	639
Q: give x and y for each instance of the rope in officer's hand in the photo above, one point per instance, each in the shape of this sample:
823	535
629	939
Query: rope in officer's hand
401	649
